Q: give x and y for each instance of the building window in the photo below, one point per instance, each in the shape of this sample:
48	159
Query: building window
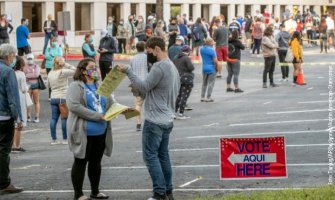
175	10
224	12
133	9
190	17
150	9
58	8
205	12
248	9
82	16
236	10
113	10
33	12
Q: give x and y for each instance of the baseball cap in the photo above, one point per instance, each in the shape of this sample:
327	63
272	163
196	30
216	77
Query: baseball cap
186	49
179	37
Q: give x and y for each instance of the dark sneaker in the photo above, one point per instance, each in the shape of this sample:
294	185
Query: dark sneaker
264	85
274	85
230	90
188	107
99	196
170	196
20	149
11	189
138	127
238	90
157	196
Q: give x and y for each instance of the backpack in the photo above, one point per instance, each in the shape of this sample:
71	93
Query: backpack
196	32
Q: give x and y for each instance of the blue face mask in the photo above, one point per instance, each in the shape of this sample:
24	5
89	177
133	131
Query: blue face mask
54	44
12	65
90	40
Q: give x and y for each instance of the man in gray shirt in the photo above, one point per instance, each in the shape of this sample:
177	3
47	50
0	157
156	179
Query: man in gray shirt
220	36
161	87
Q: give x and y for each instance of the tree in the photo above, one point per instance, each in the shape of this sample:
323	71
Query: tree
159	9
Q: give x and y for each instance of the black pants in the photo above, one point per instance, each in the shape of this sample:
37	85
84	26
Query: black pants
6	141
269	67
48	70
122	45
105	67
184	93
284	67
233	69
323	43
94	152
257	45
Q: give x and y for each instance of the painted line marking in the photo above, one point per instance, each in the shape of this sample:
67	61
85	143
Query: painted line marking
299	111
267	102
279	122
320	77
179	150
311	88
254	134
32	130
177	190
190	182
325	94
310	102
212	124
27	167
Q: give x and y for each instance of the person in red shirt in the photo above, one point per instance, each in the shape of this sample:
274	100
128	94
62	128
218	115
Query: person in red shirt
300	26
267	17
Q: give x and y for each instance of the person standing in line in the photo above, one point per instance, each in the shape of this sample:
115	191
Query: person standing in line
173	31
257	34
220	36
210	66
323	35
23	89
175	49
50	30
4	33
282	38
139	66
10	112
122	37
88	47
199	34
140	29
90	135
297	56
183	31
58	82
32	72
248	30
234	61
22	36
330	31
161	88
270	47
107	48
130	28
185	68
111	27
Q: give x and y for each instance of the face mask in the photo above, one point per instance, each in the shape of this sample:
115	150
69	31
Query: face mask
110	21
92	73
90	40
140	20
12	65
26	23
151	58
54	44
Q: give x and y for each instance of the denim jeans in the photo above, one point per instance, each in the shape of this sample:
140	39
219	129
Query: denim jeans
55	113
6	141
47	37
155	146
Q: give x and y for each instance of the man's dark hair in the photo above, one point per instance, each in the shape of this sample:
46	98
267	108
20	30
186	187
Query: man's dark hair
23	20
78	75
156	41
140	46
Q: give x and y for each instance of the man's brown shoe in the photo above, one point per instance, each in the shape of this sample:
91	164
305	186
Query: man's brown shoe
10	190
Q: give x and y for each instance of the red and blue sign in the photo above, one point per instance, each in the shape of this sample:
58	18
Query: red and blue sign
252	158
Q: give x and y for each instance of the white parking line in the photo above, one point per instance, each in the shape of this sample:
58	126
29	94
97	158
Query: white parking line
298	111
190	182
311	102
212	124
27	167
280	122
256	134
324	94
32	130
267	102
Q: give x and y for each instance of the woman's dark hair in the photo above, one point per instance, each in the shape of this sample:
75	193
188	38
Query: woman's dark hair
155	41
268	31
78	75
198	20
296	34
87	35
19	64
234	35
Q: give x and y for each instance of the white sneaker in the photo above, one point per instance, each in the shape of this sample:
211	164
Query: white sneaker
54	142
281	80
182	116
29	119
65	142
37	120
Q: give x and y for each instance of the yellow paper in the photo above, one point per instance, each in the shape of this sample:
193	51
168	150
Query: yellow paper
117	109
111	82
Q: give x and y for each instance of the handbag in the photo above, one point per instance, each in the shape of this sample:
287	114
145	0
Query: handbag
41	84
29	102
289	55
64	111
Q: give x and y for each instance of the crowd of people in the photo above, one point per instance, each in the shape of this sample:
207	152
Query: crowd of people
161	74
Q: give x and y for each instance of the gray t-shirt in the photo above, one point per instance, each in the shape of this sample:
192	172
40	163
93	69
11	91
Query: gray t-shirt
220	36
161	88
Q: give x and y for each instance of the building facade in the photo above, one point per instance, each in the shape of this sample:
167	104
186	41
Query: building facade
91	15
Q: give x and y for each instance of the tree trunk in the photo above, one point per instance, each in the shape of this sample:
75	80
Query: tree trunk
159	9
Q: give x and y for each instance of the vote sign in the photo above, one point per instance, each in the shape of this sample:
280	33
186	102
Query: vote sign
252	158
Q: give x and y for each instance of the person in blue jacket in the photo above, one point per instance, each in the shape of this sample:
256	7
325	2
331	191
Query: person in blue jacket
88	47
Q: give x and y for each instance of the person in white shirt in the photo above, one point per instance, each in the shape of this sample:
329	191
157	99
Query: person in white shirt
290	25
330	31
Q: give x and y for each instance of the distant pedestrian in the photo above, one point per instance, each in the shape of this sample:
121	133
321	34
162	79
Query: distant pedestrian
111	27
257	34
220	36
210	66
270	47
122	37
282	39
199	34
107	48
297	56
58	82
10	112
22	36
175	49
323	35
50	30
4	27
173	31
140	29
90	136
88	47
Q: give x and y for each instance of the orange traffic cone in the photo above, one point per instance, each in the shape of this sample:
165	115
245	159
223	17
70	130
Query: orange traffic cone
300	79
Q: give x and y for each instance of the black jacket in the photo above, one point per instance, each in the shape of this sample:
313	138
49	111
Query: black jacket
234	49
53	25
108	43
183	64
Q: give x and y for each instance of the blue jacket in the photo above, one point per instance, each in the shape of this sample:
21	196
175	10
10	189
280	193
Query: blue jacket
50	54
9	93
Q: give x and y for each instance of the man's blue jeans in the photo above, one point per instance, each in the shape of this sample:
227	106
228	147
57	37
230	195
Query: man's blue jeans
47	37
55	113
155	146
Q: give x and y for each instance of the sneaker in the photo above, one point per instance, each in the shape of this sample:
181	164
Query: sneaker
182	116
54	142
157	196
274	85
203	99
230	90
238	90
286	79
218	75
138	127
282	80
28	119
20	149
209	100
65	142
187	107
11	189
170	196
264	85
36	120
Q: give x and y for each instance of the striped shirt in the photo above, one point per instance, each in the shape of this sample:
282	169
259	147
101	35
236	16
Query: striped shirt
139	65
